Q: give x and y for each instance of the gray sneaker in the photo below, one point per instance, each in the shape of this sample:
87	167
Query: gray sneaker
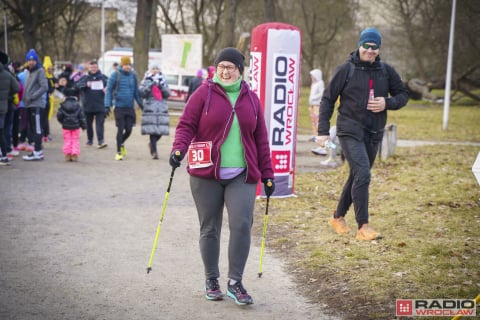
34	156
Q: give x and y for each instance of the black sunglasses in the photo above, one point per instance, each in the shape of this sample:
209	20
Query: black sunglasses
367	46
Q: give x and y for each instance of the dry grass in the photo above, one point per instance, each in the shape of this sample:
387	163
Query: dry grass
424	201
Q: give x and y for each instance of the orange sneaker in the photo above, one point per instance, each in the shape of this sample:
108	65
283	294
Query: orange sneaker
366	233
339	225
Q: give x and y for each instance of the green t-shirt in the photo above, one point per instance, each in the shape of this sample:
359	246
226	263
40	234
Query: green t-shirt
233	154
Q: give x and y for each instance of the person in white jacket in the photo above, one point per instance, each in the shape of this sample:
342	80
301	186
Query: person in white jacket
316	92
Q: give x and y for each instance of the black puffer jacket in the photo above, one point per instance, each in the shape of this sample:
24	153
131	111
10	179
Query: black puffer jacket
70	114
92	99
8	86
353	117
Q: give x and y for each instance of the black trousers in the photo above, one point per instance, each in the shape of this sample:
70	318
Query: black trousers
36	118
360	155
99	118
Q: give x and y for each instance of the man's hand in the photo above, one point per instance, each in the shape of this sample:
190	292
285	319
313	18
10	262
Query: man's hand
322	140
376	104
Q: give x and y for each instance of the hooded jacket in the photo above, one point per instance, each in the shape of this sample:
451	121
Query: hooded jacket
155	117
122	90
208	116
70	114
8	86
353	117
36	86
316	89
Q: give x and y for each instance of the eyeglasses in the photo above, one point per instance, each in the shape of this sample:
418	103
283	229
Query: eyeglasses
229	68
367	46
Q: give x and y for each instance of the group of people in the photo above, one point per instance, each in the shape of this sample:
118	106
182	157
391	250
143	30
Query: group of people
23	110
222	135
26	106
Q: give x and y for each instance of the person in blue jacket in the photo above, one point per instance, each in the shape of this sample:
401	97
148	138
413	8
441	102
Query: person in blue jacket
122	92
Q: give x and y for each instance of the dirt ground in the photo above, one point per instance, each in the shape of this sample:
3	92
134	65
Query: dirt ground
75	240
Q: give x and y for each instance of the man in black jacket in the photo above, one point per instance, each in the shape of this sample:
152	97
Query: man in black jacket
367	88
92	91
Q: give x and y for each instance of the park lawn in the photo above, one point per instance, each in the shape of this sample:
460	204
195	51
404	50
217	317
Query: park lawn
423	200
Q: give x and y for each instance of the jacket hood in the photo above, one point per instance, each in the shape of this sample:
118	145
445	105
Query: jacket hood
317	74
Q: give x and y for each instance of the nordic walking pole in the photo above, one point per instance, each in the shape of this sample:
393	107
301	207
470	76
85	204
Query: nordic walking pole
264	235
165	200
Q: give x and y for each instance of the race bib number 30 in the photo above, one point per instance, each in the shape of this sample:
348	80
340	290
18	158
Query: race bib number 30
200	154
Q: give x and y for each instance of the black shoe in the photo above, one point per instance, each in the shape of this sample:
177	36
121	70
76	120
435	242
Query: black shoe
212	290
238	293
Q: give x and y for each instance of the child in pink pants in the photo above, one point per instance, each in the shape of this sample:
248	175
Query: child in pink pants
72	118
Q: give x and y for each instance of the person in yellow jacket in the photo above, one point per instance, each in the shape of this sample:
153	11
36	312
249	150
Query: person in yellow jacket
47	64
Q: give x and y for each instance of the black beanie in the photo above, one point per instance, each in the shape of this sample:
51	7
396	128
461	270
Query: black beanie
232	55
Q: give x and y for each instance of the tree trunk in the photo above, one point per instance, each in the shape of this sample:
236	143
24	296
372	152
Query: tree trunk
229	21
141	45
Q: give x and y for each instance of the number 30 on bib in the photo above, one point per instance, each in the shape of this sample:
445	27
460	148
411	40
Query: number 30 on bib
200	154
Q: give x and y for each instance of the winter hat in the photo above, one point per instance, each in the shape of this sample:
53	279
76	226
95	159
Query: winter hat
125	60
31	55
200	73
232	55
370	35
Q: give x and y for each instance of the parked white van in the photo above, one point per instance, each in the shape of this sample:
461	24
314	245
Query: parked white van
105	63
178	84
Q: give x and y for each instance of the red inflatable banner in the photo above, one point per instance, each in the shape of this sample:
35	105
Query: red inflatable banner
275	77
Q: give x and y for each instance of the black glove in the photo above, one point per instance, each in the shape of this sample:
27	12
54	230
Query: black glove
107	112
175	159
269	186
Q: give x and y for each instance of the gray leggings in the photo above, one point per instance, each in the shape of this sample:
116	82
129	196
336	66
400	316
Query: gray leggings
210	196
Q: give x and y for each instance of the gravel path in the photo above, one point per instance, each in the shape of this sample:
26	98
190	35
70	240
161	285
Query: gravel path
75	239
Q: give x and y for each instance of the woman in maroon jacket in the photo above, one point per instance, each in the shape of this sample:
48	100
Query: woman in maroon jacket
223	130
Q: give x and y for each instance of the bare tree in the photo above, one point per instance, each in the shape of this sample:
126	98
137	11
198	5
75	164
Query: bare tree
424	29
32	15
229	20
142	34
67	28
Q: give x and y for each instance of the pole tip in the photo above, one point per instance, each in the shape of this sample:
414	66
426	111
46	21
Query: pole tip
259	274
149	269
